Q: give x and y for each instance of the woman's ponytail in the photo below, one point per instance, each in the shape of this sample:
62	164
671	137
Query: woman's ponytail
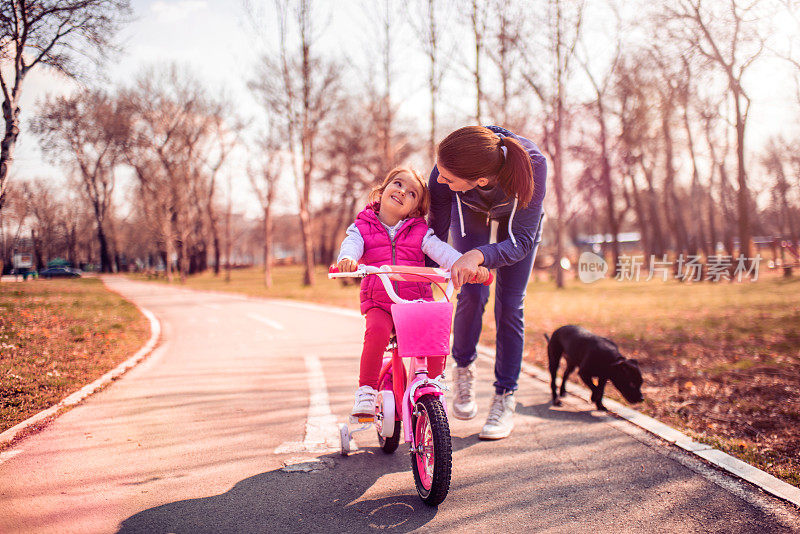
516	175
476	152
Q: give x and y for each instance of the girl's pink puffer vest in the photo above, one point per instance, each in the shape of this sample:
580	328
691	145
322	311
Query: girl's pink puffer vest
379	250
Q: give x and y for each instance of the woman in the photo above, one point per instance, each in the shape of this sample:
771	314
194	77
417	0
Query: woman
489	181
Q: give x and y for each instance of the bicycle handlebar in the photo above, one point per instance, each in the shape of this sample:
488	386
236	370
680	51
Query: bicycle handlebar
415	273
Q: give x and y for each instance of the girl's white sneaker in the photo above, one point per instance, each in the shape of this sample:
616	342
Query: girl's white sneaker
365	402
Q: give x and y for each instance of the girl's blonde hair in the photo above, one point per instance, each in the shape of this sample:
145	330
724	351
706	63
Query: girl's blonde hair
424	200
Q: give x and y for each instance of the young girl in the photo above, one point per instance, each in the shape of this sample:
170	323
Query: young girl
390	230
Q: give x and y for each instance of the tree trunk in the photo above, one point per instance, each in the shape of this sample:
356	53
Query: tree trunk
699	241
613	221
105	255
478	46
215	241
655	220
432	80
727	215
38	261
388	115
268	228
672	208
308	246
743	196
558	183
712	226
11	116
647	243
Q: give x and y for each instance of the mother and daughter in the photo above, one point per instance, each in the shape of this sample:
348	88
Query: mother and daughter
486	191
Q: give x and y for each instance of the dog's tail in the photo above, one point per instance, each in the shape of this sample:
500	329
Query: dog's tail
547	337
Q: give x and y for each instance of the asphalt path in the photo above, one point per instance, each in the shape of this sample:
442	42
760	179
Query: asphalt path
230	426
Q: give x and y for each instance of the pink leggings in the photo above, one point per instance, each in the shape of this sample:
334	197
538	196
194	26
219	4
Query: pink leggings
376	337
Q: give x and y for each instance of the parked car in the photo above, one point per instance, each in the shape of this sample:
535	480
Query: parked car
59	272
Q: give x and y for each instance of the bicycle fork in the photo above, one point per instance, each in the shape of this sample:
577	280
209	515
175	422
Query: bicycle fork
419	384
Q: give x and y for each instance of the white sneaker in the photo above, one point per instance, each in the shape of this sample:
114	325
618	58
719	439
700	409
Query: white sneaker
501	417
365	402
464	405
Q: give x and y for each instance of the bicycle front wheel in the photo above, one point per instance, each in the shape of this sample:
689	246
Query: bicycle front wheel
431	450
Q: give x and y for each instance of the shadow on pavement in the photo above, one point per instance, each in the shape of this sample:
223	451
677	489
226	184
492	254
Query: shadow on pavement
322	499
546	410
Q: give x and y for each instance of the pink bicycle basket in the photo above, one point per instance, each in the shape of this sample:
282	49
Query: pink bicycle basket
423	328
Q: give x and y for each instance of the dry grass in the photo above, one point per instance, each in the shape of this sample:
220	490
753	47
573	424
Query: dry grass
57	336
721	361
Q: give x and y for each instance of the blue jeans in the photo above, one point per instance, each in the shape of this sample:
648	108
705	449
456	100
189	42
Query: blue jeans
510	287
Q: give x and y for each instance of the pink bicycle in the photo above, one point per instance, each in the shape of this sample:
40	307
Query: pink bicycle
412	401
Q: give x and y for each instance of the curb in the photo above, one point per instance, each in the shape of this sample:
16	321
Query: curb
155	333
726	462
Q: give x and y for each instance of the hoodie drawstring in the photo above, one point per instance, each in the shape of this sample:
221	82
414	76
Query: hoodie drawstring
510	220
460	216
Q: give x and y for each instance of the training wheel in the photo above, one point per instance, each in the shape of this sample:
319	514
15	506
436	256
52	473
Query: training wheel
344	438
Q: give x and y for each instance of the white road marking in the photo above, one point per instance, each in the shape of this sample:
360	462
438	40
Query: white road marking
267	321
322	434
319	307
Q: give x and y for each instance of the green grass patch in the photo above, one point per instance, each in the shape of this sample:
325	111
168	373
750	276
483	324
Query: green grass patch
56	336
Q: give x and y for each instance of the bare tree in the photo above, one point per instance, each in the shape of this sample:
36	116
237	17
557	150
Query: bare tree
45	210
386	109
54	33
425	23
602	89
776	160
728	38
478	22
376	103
12	221
669	84
635	96
298	90
180	138
565	24
221	137
686	100
85	131
264	180
505	26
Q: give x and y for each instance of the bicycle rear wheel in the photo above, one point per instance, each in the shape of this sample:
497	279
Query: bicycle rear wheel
386	416
431	451
389	444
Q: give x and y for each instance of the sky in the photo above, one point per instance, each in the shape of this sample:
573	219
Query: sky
216	40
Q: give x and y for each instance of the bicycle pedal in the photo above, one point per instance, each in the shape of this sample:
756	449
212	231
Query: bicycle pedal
362	419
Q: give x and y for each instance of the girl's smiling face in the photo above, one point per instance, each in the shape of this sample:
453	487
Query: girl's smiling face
400	198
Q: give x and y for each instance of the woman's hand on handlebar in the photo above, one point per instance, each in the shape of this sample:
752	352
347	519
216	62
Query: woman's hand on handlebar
482	276
346	265
466	267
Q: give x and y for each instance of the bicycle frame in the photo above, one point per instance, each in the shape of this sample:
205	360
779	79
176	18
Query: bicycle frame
410	386
407	387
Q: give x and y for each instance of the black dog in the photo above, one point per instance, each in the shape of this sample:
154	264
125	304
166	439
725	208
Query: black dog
597	357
